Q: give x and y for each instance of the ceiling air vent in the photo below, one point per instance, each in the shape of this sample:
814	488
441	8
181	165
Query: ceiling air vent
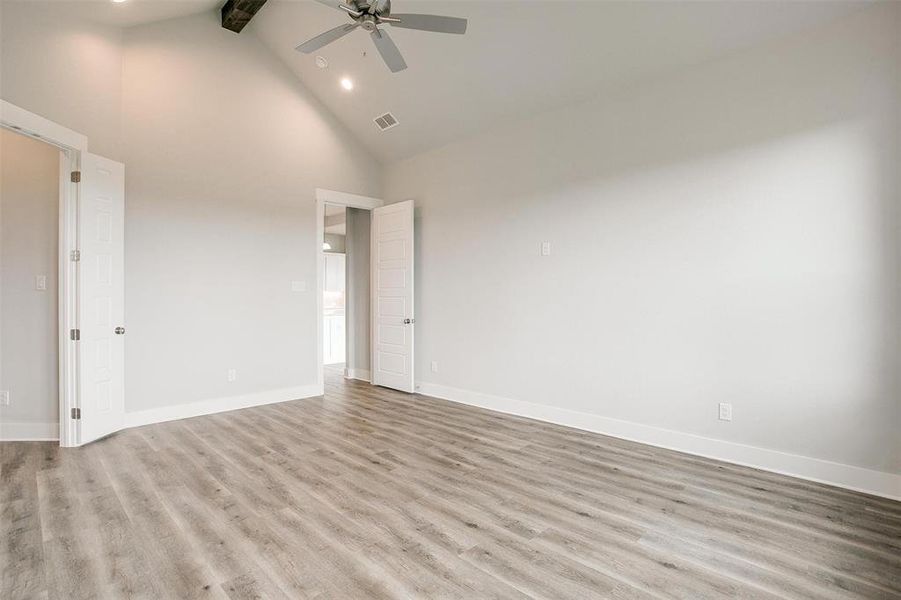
386	121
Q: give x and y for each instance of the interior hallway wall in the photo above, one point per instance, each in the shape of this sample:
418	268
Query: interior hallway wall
728	233
29	232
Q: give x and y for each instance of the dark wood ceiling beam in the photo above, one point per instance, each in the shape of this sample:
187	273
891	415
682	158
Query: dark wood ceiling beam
238	13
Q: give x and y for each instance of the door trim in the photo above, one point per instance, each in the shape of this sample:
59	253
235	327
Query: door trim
71	144
323	197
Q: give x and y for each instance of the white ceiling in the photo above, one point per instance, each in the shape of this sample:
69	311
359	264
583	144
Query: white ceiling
517	57
130	12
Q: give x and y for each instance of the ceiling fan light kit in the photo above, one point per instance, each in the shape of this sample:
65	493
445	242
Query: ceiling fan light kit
370	15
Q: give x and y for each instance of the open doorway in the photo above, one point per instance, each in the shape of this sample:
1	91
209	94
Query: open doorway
346	291
29	288
343	302
378	295
334	292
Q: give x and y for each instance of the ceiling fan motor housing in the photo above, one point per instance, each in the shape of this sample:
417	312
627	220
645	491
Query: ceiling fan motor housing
367	22
382	8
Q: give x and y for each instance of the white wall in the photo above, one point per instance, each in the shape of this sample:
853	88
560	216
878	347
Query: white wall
64	69
29	223
729	233
223	151
223	148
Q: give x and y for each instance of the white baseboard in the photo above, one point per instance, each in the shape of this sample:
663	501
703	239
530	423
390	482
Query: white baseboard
361	374
854	478
27	431
217	405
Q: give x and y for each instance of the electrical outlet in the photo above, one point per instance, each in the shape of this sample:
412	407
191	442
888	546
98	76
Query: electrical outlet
725	411
40	282
4	397
232	374
434	366
545	248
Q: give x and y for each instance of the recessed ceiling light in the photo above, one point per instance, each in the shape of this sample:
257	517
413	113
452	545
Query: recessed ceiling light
118	1
321	62
347	84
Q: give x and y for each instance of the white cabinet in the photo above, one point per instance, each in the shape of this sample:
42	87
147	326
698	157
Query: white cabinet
334	273
333	336
334	339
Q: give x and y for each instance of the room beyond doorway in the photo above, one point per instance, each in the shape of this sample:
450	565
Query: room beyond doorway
334	293
343	288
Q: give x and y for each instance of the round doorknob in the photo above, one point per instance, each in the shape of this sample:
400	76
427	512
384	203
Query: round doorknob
120	330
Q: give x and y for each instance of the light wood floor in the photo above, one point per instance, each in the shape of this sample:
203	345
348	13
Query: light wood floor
368	493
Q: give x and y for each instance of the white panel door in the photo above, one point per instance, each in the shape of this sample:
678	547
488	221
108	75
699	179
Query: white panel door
101	291
392	296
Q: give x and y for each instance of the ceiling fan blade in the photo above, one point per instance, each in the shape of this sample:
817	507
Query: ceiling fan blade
390	54
431	23
336	4
326	38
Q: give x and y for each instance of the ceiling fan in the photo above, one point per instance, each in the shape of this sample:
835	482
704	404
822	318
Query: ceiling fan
369	14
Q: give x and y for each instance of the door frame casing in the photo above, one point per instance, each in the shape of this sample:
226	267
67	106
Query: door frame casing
323	197
71	145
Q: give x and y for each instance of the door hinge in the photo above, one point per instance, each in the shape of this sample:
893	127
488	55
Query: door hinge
75	255
76	177
75	334
76	414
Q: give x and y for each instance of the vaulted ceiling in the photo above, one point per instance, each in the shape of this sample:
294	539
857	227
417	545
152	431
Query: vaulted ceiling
518	57
129	13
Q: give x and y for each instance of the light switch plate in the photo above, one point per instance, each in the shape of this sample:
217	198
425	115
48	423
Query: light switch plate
298	286
40	282
434	366
545	248
4	397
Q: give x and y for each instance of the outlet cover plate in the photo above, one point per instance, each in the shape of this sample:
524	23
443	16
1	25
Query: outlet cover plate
725	411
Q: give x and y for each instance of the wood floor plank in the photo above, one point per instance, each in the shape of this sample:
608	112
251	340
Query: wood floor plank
21	542
370	493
